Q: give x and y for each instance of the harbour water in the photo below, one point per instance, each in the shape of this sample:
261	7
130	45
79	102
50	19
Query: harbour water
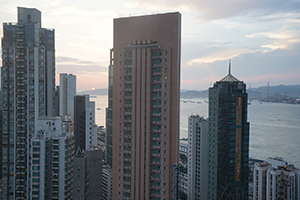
274	127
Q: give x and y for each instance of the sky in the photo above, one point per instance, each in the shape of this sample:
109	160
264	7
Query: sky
262	37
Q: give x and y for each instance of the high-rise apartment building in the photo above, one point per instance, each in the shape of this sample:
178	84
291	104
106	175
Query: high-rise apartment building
143	112
67	91
197	157
52	153
27	85
106	182
56	101
84	120
276	179
88	174
228	140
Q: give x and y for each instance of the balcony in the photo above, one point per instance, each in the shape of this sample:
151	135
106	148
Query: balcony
156	106
155	131
156	122
127	159
128	66
155	139
128	82
155	155
155	114
127	128
127	152
127	176
156	82
54	167
127	167
128	90
156	66
155	188
127	136
55	155
127	191
156	98
127	74
126	182
127	113
156	90
127	121
127	144
155	196
155	171
155	179
155	147
156	74
128	97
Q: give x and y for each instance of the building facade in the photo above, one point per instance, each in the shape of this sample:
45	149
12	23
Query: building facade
67	91
197	157
84	119
52	152
106	182
143	112
276	179
88	174
228	140
28	86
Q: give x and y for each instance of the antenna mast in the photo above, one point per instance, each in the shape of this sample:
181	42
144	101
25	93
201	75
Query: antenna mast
229	72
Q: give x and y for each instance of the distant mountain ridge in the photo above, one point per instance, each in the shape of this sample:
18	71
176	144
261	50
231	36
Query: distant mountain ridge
103	91
290	90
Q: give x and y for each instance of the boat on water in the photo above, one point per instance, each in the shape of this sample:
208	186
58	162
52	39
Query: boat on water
98	108
199	102
93	96
184	101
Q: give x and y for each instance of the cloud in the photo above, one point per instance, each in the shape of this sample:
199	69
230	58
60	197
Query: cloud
279	39
88	11
218	9
77	69
183	5
222	54
62	60
289	75
280	66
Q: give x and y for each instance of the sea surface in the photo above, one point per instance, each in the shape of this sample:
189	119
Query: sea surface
274	127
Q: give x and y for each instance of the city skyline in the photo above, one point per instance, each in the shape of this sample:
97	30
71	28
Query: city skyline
249	33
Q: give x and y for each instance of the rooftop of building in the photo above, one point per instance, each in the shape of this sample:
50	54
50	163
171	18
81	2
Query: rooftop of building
146	15
229	77
277	159
262	164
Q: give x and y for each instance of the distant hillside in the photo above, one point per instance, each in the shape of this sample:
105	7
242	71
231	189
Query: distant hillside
290	90
94	92
189	94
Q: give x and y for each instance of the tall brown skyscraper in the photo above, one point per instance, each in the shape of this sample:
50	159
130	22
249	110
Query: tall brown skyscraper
143	113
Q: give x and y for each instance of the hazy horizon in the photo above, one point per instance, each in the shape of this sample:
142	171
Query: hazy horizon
262	38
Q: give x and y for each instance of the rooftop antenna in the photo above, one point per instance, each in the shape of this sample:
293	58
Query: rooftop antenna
229	66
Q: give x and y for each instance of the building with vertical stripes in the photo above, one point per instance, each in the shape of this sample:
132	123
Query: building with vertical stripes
197	157
67	91
52	153
28	87
143	112
228	140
